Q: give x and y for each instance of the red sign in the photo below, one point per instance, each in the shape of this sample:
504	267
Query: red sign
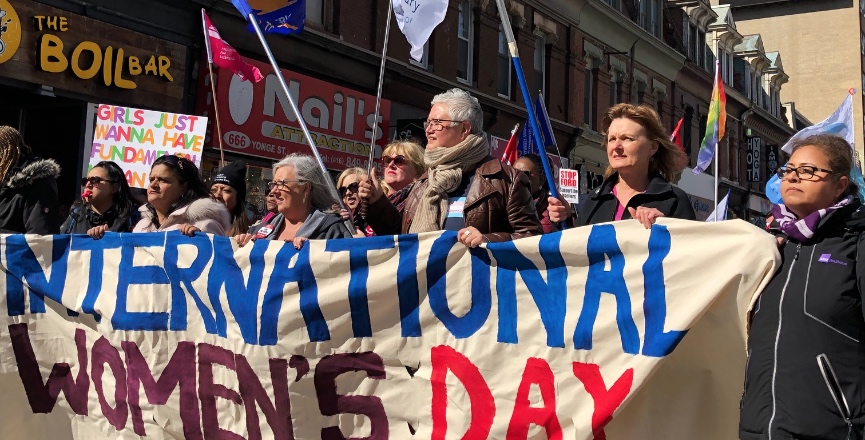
257	119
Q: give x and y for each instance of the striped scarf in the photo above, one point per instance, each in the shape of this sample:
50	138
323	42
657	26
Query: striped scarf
803	229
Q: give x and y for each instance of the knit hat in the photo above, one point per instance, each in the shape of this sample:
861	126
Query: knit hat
233	175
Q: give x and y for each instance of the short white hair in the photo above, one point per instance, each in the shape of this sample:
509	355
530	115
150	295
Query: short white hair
462	107
306	168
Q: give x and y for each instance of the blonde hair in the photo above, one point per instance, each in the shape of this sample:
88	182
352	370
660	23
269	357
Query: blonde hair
349	172
12	148
666	160
411	151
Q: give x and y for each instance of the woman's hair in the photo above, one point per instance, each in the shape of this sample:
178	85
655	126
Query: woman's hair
838	153
12	149
665	161
349	172
462	107
186	172
306	169
411	151
123	202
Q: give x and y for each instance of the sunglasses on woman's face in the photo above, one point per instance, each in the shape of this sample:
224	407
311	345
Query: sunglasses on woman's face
397	160
351	187
95	180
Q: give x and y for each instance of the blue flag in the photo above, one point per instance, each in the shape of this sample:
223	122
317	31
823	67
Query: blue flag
277	16
544	122
527	140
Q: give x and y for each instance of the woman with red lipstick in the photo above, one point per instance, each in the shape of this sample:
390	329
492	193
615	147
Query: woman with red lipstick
643	160
347	184
106	204
402	164
177	199
806	345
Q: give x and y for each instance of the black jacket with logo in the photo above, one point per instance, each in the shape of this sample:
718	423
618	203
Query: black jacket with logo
28	199
600	206
806	346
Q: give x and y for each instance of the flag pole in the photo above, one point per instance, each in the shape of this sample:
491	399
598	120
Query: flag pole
364	202
213	88
527	98
717	147
331	187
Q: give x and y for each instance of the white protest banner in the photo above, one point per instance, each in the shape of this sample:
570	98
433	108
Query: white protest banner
569	185
609	328
417	19
134	138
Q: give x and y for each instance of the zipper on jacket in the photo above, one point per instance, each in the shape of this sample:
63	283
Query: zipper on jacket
778	338
835	390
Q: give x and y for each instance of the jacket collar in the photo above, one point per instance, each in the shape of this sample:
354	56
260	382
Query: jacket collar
32	170
657	185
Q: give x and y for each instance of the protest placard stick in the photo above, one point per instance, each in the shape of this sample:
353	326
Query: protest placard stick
374	130
527	97
278	72
213	88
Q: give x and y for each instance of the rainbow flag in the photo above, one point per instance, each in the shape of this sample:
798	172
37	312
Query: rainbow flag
715	123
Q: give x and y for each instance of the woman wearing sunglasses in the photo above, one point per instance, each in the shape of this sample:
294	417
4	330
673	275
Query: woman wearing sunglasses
303	204
806	343
106	203
347	184
402	164
177	199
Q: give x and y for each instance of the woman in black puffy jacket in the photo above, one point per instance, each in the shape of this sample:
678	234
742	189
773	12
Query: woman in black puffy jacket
106	203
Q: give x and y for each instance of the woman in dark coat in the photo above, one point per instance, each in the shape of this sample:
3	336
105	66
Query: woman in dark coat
643	161
106	203
806	343
28	195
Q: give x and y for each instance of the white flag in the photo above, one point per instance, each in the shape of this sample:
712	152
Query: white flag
720	212
839	123
417	19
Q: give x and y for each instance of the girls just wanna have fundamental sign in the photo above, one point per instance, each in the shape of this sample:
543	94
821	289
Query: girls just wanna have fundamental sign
134	138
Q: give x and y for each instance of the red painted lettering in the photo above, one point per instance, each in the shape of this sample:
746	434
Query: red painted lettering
606	400
483	407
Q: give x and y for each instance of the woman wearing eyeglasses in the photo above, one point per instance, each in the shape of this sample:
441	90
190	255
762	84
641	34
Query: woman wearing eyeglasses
106	204
303	204
177	199
347	185
643	161
806	343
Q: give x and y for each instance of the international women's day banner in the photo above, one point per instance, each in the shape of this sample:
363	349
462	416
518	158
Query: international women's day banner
134	138
605	330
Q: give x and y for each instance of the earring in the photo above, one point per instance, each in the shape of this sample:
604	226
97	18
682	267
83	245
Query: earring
304	198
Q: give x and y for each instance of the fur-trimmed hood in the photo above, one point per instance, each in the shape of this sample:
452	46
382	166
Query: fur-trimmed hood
34	169
203	213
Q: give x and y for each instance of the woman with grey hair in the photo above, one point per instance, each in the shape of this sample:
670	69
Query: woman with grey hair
303	205
464	189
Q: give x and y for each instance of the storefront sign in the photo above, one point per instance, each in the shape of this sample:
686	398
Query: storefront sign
754	166
257	119
772	159
67	51
134	138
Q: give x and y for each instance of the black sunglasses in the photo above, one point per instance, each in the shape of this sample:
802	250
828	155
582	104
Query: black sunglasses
351	187
94	180
399	160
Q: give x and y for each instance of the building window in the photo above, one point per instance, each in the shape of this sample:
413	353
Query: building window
615	90
504	66
686	35
315	11
465	43
541	65
746	81
616	4
862	41
702	59
589	98
659	106
722	64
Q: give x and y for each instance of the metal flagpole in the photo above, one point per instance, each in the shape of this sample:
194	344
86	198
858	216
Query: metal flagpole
374	130
527	97
717	129
306	134
213	88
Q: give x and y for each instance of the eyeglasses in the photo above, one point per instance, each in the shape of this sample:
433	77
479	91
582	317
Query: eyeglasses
95	180
351	187
528	173
282	185
437	124
399	160
805	172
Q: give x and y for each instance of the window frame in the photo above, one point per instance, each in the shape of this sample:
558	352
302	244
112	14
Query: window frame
468	23
503	56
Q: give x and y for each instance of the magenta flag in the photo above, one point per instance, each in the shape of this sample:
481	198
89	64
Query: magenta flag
223	55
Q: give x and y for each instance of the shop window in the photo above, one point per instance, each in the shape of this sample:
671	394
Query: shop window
315	11
465	42
589	98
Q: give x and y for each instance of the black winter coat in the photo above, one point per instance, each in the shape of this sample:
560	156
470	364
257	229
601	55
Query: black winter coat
600	206
28	199
806	346
81	219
